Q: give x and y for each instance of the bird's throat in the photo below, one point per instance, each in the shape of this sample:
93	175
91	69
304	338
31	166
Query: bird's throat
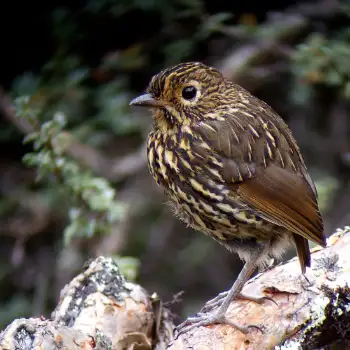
164	121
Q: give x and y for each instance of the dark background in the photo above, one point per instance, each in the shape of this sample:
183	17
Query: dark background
305	76
28	29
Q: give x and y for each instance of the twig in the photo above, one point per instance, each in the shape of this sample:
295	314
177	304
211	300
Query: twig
280	29
236	64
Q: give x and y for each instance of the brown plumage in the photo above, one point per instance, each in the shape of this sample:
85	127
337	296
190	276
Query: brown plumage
231	167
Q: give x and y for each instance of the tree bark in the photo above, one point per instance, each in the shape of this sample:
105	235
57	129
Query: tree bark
99	309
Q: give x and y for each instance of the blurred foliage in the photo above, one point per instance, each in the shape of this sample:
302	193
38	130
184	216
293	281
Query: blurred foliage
93	205
128	265
322	60
169	10
326	188
16	307
80	98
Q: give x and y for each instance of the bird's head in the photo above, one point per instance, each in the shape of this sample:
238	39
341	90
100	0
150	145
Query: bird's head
184	94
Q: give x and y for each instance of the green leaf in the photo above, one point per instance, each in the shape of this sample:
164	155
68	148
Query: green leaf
31	137
129	266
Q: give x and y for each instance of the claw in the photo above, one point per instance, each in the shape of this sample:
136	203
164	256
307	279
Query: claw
224	300
267	299
256	327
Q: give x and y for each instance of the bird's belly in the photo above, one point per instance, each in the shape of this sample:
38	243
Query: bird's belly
238	236
220	225
205	205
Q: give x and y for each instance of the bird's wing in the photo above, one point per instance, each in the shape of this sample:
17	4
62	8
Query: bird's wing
261	162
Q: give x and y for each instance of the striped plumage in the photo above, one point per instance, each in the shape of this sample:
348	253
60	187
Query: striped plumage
229	164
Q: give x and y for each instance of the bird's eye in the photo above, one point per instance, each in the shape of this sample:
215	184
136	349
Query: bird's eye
189	93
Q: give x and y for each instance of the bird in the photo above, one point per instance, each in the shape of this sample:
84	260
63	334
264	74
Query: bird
232	169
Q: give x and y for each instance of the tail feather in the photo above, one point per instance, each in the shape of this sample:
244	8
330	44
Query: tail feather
303	251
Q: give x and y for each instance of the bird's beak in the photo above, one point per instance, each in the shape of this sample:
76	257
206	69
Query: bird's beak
146	100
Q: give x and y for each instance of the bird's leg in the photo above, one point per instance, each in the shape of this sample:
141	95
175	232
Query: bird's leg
218	300
206	319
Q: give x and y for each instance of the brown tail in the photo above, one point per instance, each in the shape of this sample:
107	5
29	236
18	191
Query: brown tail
303	251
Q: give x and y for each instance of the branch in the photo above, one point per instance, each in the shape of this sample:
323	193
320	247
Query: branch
100	310
97	310
312	313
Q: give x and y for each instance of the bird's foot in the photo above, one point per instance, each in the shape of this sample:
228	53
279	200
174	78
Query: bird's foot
217	301
202	320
